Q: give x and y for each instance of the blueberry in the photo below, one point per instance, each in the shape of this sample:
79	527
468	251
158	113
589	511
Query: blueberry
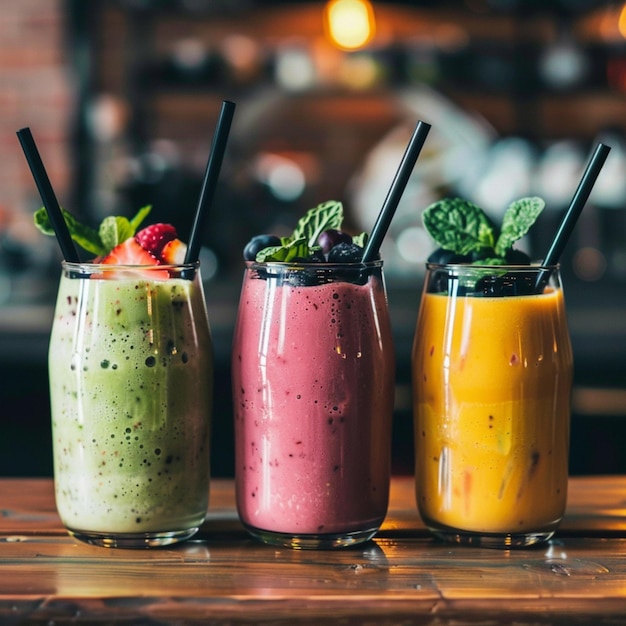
304	276
444	257
526	284
345	253
317	256
517	257
331	237
489	286
258	243
477	256
301	278
510	284
442	282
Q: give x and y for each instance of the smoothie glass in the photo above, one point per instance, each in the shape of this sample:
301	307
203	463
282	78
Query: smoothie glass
313	382
131	370
492	374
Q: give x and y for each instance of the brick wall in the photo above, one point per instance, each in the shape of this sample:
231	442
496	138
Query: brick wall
35	91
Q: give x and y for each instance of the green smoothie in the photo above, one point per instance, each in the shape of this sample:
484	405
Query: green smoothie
131	388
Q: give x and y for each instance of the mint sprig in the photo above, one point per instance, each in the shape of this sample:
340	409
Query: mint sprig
464	228
302	243
112	231
315	221
459	225
516	222
288	251
83	235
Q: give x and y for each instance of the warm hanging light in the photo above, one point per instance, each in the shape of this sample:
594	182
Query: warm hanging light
349	24
621	22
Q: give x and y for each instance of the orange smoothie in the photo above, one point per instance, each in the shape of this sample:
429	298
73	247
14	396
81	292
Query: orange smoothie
492	380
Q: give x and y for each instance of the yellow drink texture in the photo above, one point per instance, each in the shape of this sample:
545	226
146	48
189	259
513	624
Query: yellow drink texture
492	381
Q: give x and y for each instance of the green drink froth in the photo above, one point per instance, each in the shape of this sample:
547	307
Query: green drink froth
130	381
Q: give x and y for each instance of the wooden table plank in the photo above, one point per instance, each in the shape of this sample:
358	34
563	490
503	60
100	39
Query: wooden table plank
575	577
402	577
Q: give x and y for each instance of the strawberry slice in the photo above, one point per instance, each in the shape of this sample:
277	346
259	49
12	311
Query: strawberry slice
174	252
129	252
153	238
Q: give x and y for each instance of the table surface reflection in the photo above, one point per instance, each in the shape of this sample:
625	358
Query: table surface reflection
403	576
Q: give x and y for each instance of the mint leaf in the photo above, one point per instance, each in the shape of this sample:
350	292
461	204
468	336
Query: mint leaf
318	219
116	229
141	215
303	240
112	231
285	253
517	220
360	240
84	236
459	225
302	243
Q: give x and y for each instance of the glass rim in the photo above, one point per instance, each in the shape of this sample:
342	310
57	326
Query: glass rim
90	267
469	267
317	265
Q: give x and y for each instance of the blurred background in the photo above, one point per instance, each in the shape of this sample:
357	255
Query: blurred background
122	97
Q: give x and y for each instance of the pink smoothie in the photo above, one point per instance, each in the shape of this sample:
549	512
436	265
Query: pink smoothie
313	372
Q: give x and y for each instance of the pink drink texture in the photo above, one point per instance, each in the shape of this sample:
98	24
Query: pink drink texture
313	372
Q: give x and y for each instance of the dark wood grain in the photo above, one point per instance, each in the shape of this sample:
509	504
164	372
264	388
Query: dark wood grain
401	577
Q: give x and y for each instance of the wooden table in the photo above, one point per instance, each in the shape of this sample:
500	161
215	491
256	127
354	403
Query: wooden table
401	577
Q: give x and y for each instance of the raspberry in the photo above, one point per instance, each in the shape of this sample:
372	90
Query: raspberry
154	238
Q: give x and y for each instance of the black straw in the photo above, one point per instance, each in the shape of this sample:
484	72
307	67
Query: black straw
577	204
396	190
214	164
574	210
47	195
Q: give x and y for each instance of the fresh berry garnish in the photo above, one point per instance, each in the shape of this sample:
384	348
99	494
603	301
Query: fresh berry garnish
331	237
130	252
303	277
154	238
443	257
174	252
317	256
517	257
258	243
345	253
510	284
